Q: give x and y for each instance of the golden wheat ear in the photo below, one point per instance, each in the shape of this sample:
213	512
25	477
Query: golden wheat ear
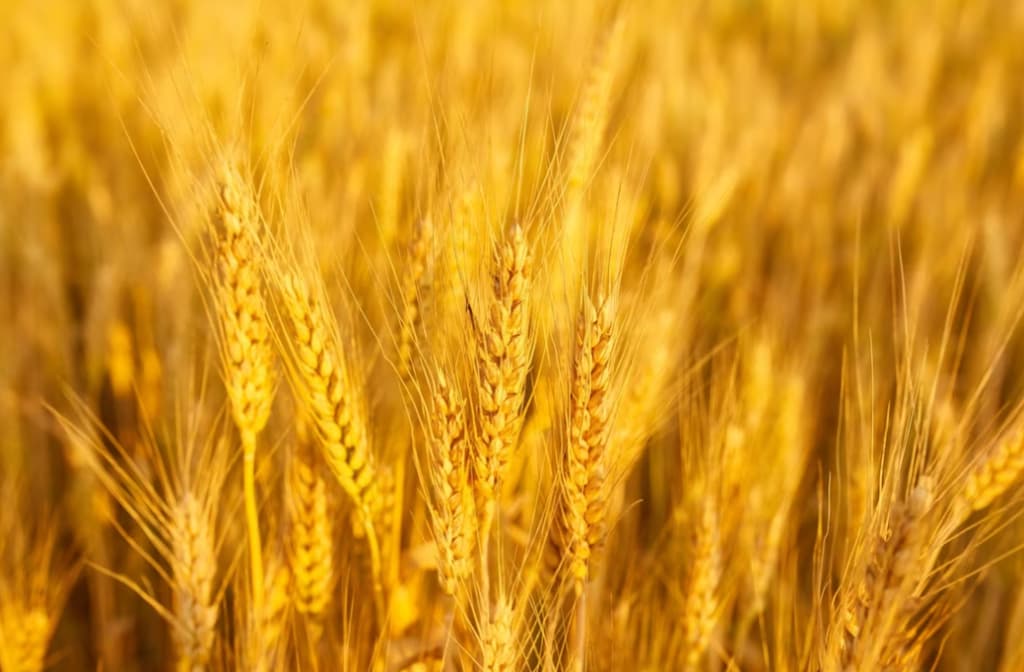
503	352
579	526
701	608
411	299
311	547
194	570
993	475
244	335
328	394
262	636
35	578
176	500
872	629
498	640
454	520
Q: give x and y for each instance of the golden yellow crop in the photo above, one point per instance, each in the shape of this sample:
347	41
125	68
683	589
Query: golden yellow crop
512	335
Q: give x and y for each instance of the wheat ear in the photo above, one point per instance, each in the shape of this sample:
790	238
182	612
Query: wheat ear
412	283
246	345
193	567
310	548
583	483
454	519
335	405
993	476
702	589
24	634
588	132
497	641
878	608
503	358
592	115
264	627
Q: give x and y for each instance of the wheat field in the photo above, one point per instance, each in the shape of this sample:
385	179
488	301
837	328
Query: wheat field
512	335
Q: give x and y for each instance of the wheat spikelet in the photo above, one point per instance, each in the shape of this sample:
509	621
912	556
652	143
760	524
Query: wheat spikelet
454	519
993	476
412	282
701	606
503	358
311	547
580	527
193	567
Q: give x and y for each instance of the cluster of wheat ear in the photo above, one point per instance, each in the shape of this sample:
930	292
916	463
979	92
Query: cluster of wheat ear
508	336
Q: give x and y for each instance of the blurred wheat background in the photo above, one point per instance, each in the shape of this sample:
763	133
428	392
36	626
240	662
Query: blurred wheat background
382	335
